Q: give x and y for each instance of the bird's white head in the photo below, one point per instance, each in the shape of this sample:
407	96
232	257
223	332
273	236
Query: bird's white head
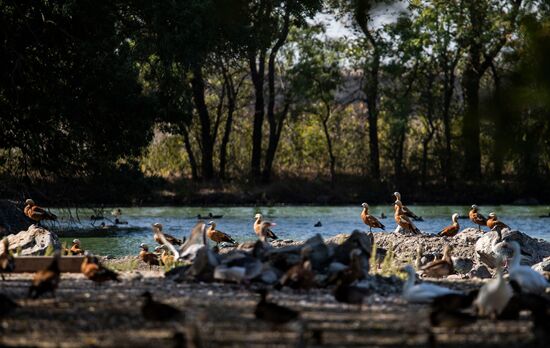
29	202
492	215
143	246
157	225
76	241
397	195
365	205
474	206
258	216
454	218
211	223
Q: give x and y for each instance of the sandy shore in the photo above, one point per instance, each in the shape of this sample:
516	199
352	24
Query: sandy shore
88	315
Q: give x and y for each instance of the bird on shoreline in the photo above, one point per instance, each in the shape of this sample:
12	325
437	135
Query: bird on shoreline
493	295
370	220
37	213
7	262
95	271
218	236
440	268
451	230
405	209
75	248
476	217
494	223
527	278
263	230
157	311
149	258
403	220
46	280
423	292
157	230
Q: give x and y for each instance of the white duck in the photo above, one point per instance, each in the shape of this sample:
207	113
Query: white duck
528	279
423	292
493	295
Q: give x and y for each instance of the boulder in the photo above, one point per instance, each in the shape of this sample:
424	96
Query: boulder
357	240
12	218
34	241
320	256
462	265
543	266
534	250
480	271
469	235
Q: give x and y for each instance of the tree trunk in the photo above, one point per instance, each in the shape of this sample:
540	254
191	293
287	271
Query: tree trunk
332	158
470	124
274	126
189	150
257	75
448	91
498	135
207	148
372	105
431	129
231	103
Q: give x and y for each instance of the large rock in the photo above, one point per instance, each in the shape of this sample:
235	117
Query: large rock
534	250
34	241
543	266
12	218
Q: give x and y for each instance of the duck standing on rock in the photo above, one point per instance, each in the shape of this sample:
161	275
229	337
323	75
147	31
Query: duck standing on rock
452	230
527	278
46	280
370	220
493	222
263	230
476	217
75	248
403	220
37	213
440	268
218	236
149	258
157	230
406	210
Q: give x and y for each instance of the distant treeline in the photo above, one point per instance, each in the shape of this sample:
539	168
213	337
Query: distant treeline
424	96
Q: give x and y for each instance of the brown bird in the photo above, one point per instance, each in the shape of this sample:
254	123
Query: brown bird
149	258
452	230
405	209
266	232
440	268
403	220
157	229
75	248
157	311
493	222
7	305
346	293
218	236
96	272
7	262
37	213
272	312
477	218
370	220
300	276
166	258
46	280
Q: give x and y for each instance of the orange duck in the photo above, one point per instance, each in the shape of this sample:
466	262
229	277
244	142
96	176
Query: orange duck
403	220
157	228
94	271
218	236
477	218
493	222
75	248
405	209
262	228
452	230
7	263
46	280
37	213
370	220
149	258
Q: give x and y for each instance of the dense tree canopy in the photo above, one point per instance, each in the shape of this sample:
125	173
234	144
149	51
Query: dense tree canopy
422	92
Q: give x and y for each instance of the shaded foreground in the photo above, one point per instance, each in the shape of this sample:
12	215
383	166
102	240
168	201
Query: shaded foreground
87	315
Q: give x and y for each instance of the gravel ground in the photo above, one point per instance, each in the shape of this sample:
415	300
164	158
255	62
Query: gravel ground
87	315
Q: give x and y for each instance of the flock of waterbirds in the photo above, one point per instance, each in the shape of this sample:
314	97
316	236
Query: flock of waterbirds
343	268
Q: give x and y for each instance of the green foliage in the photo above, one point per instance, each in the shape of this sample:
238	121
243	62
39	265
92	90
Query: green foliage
50	250
126	266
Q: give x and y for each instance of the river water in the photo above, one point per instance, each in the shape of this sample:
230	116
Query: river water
293	222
